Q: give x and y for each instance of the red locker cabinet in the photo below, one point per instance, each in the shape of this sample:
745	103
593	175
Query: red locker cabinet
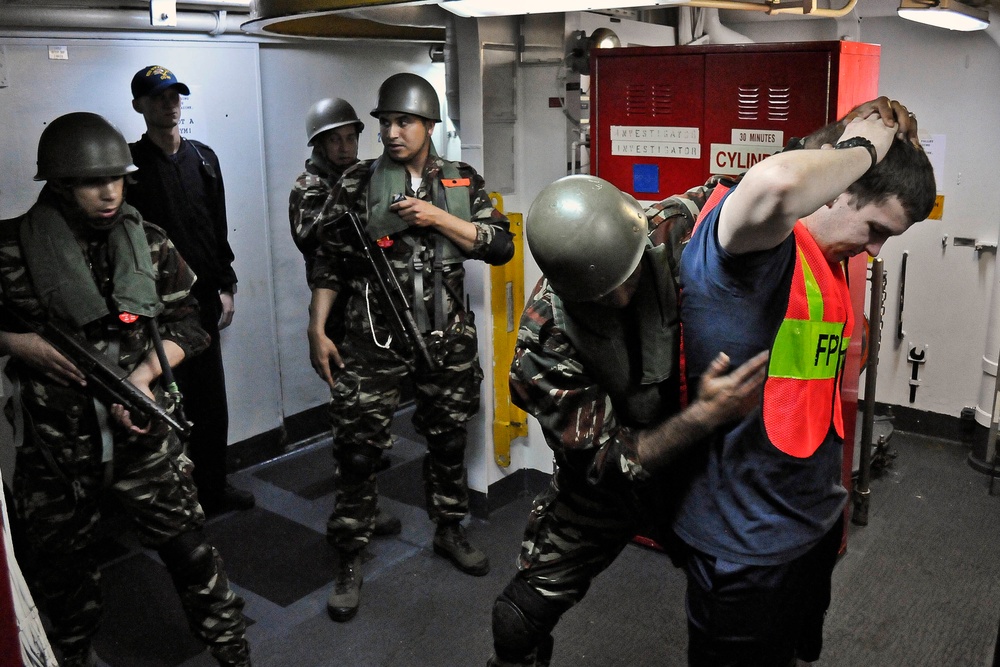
665	118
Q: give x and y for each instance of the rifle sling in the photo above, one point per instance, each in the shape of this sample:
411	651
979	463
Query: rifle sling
417	275
439	311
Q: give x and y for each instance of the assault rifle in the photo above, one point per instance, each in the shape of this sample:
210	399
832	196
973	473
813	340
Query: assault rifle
391	299
105	378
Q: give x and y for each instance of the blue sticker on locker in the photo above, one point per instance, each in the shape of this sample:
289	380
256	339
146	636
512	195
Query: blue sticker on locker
645	178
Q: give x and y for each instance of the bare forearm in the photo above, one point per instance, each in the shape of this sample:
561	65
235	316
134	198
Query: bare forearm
8	343
460	232
723	397
658	447
149	369
319	309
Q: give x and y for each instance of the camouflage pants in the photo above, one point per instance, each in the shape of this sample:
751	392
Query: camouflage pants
575	531
364	399
58	484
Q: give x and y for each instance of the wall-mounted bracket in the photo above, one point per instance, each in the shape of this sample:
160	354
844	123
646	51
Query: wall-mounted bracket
163	13
978	246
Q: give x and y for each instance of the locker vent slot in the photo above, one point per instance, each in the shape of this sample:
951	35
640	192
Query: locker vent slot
748	103
778	103
649	100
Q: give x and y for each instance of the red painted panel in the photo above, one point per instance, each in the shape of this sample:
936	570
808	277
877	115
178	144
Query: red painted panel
646	91
778	92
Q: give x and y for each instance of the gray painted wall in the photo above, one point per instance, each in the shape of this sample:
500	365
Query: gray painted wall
225	85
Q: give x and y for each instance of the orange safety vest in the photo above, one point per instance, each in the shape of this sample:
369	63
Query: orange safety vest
802	390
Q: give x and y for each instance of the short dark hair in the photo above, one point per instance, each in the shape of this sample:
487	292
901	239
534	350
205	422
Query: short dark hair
904	172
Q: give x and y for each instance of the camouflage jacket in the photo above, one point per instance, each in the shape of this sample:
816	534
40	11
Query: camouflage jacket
549	380
306	201
178	322
339	265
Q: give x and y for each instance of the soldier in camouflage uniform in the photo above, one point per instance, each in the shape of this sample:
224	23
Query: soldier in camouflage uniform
443	218
74	258
596	364
332	129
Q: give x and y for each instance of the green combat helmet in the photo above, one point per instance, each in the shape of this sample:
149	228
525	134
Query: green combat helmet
586	235
328	114
82	145
408	93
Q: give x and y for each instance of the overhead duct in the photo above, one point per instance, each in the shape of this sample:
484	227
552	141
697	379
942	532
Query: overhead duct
342	19
414	16
348	19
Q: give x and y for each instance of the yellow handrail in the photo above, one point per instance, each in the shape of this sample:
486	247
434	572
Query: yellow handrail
507	302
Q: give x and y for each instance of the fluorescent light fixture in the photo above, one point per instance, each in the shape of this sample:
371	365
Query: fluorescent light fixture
482	8
950	14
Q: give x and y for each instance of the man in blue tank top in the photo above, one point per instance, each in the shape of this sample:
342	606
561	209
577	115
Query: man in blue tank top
761	518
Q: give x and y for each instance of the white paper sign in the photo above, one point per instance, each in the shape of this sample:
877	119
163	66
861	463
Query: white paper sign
656	141
733	159
759	137
192	123
934	146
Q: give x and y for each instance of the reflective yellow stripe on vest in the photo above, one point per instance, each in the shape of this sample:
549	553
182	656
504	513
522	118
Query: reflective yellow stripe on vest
824	341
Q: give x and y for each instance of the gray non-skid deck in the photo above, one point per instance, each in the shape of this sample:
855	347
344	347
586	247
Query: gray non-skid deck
918	587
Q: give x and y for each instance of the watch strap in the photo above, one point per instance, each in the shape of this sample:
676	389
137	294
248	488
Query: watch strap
855	142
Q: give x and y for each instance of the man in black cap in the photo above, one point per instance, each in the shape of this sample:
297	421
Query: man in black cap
179	187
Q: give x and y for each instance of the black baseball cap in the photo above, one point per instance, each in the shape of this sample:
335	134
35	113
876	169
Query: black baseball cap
154	79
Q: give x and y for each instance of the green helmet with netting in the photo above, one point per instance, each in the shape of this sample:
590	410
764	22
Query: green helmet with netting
82	145
586	235
408	93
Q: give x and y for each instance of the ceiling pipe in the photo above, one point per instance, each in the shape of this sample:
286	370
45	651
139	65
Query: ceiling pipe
238	6
52	18
801	7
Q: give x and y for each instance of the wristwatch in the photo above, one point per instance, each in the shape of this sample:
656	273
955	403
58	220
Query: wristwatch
854	142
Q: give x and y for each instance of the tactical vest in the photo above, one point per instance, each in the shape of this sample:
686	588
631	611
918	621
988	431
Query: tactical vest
802	390
451	192
632	353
